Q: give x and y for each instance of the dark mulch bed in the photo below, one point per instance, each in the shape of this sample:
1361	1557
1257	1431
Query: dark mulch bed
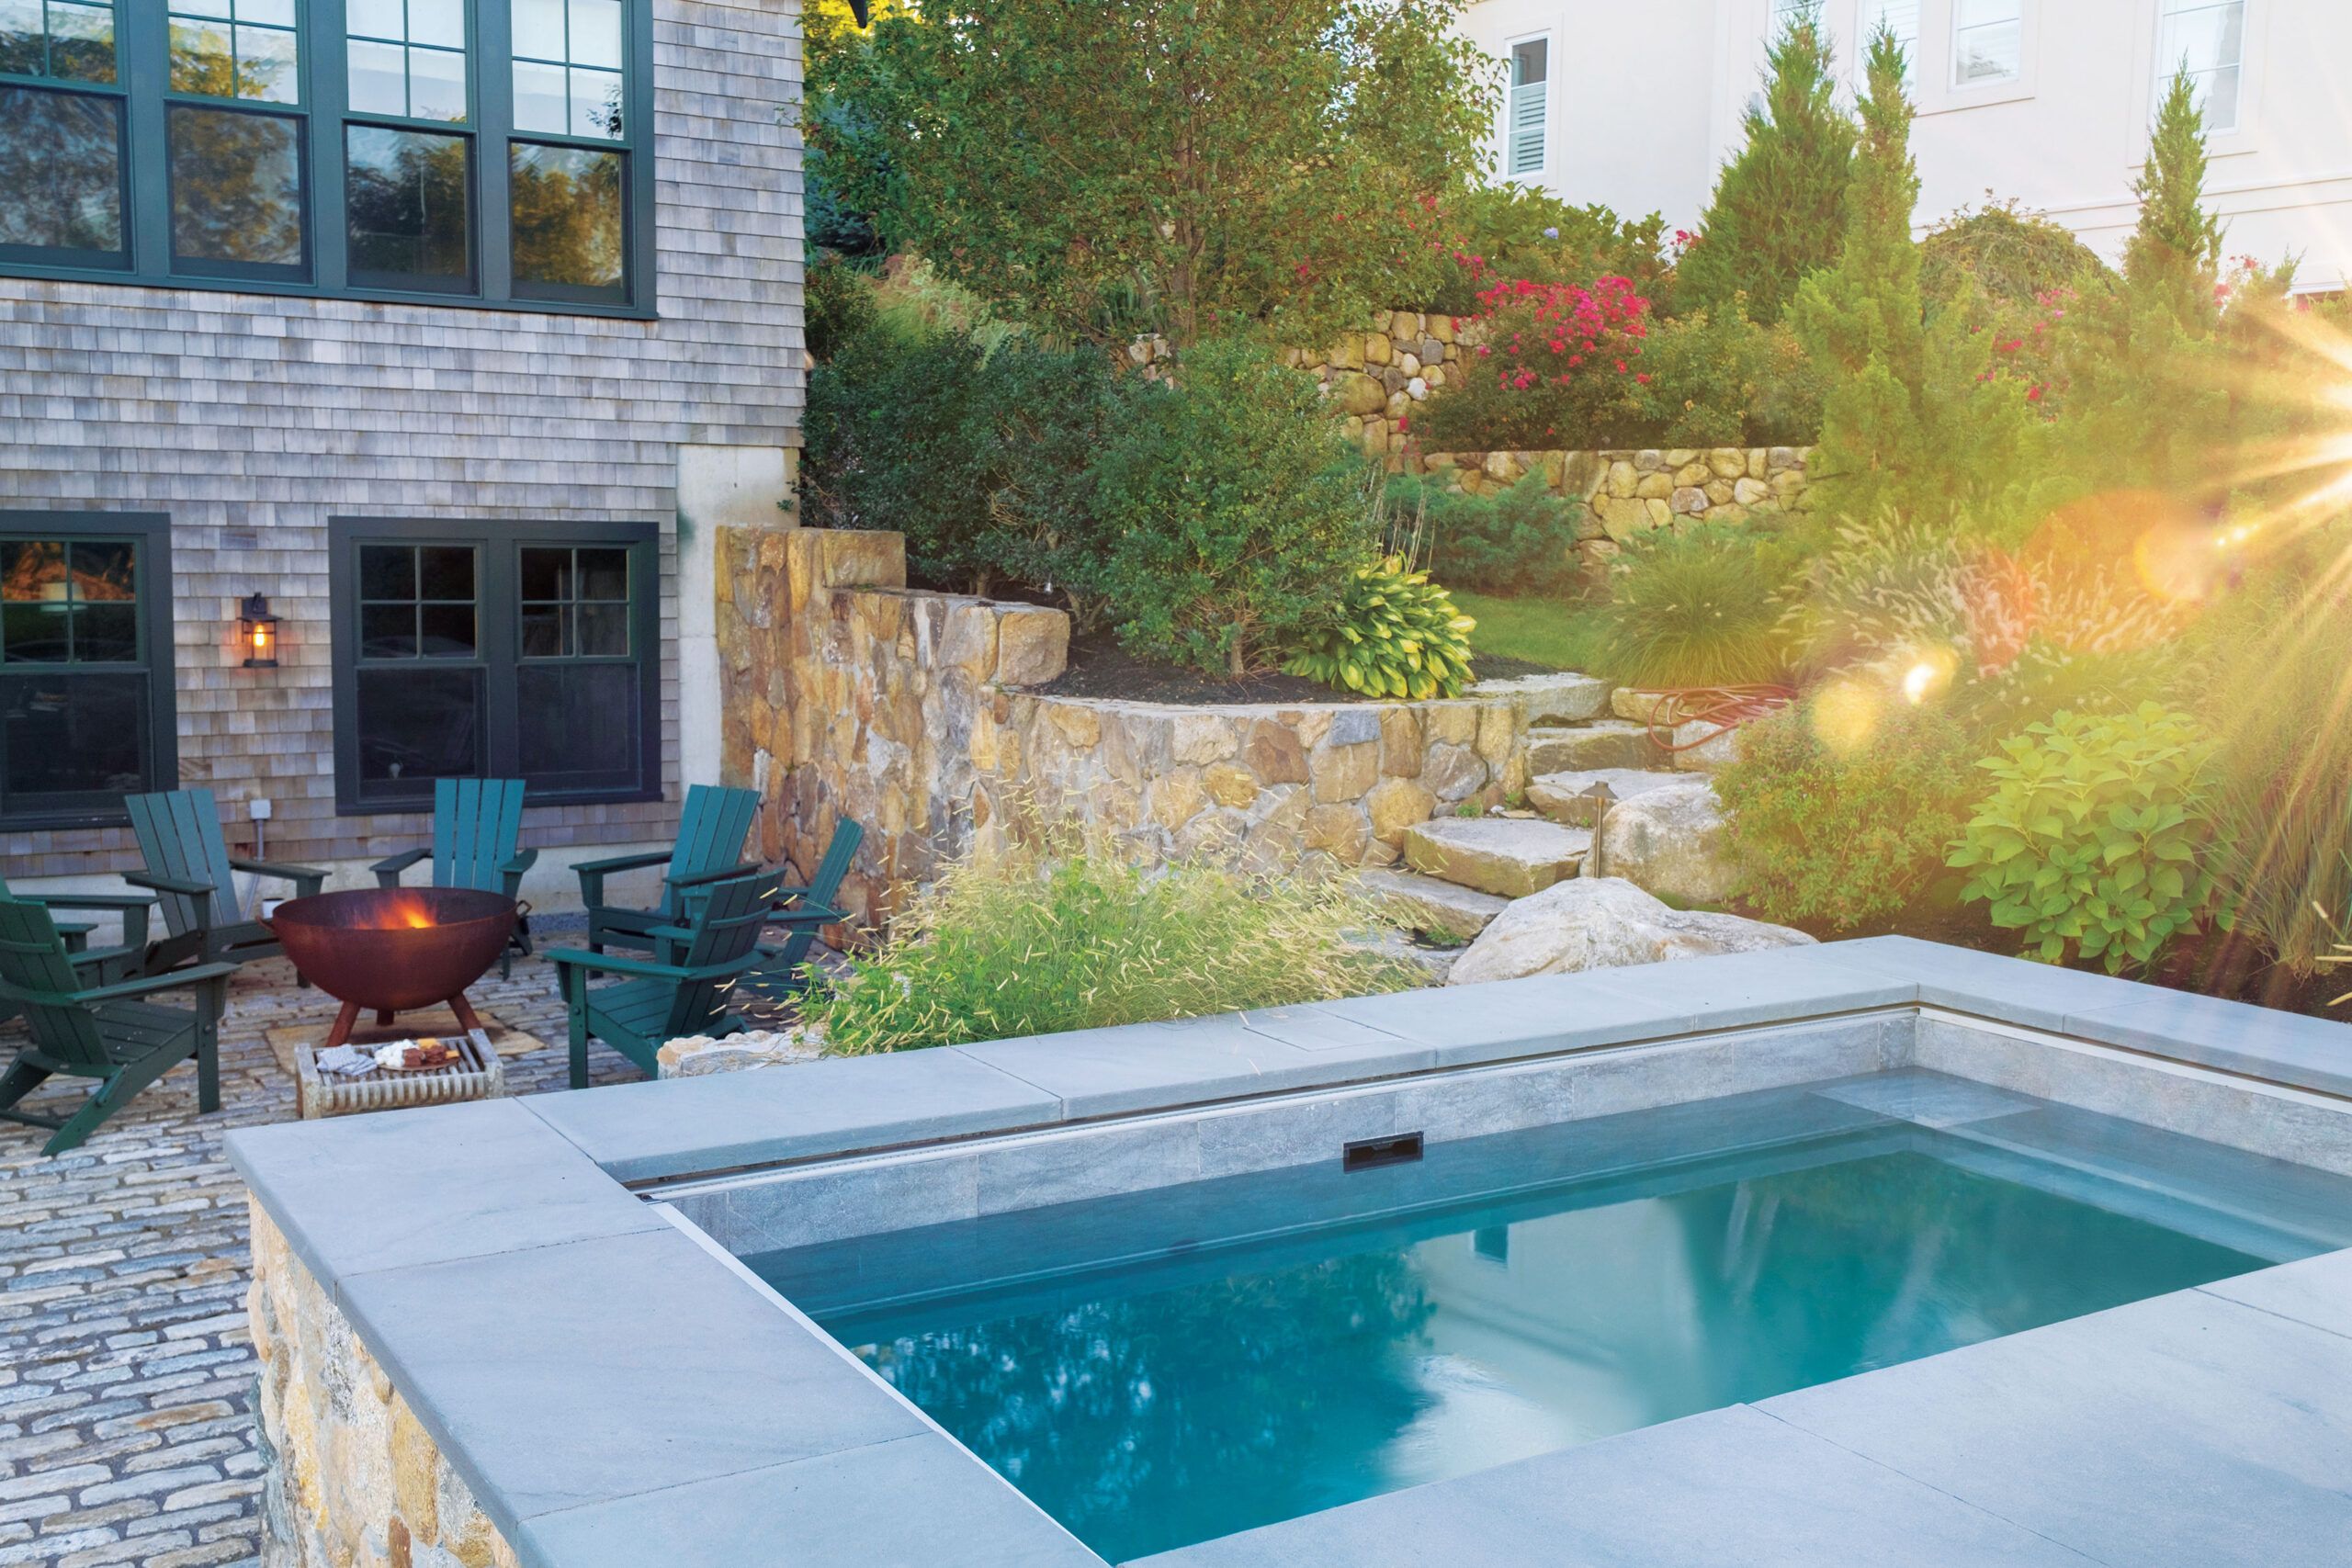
1099	667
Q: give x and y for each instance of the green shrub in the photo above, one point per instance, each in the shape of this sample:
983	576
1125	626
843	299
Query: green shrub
840	306
1848	833
2012	256
1232	509
1520	540
1717	378
1511	230
1694	609
1396	635
1073	936
2089	842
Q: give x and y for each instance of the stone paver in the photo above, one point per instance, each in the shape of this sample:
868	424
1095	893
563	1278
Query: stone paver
126	1372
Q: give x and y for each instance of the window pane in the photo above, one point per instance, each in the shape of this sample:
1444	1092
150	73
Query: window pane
236	187
73	735
602	631
387	571
418	724
81	41
372	18
448	631
547	574
577	725
202	8
603	574
436	85
543	631
406	194
445	571
106	634
595	38
24	41
1528	62
265	13
102	572
386	631
539	99
32	571
441	23
376	83
35	633
201	60
569	240
266	66
2217	96
538	28
61	171
596	103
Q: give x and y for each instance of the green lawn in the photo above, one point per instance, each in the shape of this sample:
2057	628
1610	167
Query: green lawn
1543	631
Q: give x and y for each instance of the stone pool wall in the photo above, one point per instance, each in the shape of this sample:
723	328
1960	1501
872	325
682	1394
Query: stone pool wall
847	694
351	1480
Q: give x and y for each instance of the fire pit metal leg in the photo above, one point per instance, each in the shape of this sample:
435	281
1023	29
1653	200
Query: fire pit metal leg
467	1018
344	1018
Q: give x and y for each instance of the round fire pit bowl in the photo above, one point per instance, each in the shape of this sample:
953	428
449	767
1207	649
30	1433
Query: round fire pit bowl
393	949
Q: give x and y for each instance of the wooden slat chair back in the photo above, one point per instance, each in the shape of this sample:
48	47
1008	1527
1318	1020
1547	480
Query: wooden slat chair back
803	911
712	825
681	990
98	1032
475	826
193	876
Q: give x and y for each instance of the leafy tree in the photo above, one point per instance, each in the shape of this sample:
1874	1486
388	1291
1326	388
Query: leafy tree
1778	209
1216	162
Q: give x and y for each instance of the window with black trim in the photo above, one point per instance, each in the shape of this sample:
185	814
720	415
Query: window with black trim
85	671
522	650
490	151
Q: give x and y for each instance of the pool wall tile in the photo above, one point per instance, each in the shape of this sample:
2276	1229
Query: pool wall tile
1030	1173
824	1203
1299	1132
1640	1077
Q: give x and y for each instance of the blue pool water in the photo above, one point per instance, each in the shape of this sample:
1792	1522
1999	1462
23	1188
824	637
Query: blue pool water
1163	1368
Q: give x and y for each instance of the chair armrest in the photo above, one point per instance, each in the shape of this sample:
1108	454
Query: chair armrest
187	887
616	963
523	860
749	868
171	980
620	863
814	914
388	870
136	909
307	879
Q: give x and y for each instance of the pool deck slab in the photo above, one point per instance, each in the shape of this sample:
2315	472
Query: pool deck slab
626	1386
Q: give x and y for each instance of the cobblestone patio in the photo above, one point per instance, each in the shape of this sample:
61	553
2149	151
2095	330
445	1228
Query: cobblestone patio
126	1373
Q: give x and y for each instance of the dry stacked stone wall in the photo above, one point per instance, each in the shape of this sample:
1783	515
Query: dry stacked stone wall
847	694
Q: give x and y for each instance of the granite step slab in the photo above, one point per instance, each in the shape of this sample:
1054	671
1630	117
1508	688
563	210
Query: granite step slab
1566	797
1604	743
1508	858
1430	905
1568	696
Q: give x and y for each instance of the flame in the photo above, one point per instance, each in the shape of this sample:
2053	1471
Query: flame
408	912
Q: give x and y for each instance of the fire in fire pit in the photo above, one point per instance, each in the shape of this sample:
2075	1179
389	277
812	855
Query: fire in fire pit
394	949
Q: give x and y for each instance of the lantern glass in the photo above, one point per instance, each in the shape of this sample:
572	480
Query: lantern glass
257	629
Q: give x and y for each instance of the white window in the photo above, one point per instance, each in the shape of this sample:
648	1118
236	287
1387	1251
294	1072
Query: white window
1900	17
1524	117
2209	36
1987	41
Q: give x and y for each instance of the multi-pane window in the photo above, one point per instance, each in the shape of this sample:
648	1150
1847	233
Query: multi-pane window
1987	41
525	654
237	172
84	676
519	174
2207	38
62	148
1530	70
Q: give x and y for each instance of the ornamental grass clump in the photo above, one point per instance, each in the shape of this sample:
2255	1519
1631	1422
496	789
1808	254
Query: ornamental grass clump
1397	634
1697	609
1068	934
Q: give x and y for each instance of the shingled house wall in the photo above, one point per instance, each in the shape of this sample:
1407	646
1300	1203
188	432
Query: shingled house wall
251	419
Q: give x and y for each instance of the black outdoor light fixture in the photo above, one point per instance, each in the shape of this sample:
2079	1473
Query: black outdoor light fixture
257	629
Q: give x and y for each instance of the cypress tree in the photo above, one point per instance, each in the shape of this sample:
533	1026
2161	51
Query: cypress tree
2174	254
1778	207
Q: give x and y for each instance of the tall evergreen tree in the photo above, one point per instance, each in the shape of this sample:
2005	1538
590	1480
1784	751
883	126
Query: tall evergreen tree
1778	207
2174	254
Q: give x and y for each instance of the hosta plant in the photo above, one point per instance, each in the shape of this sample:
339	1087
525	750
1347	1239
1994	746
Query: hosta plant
2088	844
1396	635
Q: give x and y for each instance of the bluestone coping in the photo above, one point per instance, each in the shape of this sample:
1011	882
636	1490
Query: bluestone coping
601	1381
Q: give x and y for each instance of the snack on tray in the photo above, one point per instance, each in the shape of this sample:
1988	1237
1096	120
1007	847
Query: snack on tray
412	1055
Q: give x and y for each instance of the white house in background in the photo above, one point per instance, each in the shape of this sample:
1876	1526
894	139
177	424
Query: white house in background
2047	101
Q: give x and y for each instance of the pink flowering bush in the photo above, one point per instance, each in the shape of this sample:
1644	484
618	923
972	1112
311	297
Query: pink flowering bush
1554	363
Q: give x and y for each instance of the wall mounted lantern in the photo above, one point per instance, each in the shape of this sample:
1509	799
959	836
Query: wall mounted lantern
257	629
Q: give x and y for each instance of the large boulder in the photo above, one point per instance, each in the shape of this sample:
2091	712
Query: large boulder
1508	857
1432	906
1668	841
1584	748
1603	922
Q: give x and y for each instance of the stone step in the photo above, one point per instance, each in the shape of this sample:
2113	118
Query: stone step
1565	697
1432	906
1568	798
1584	748
1495	854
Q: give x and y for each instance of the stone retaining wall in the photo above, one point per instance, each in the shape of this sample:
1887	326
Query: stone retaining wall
845	693
350	1476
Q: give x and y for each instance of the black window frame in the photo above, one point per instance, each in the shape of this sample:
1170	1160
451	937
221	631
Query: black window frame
143	96
152	532
498	545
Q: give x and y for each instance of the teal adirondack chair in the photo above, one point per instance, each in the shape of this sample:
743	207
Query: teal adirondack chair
99	1032
710	848
803	911
681	990
100	965
189	866
475	825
